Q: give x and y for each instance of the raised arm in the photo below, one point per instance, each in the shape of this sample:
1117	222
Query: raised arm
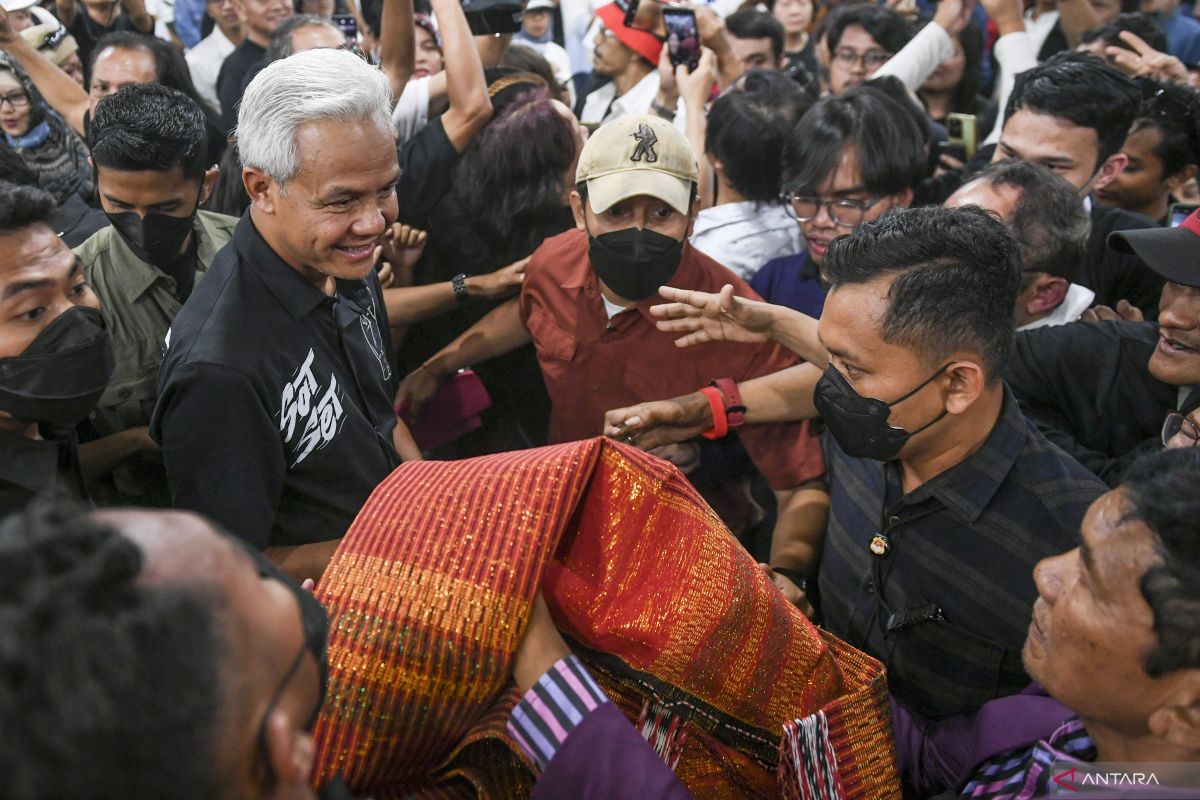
59	91
397	47
918	59
470	108
1076	17
141	19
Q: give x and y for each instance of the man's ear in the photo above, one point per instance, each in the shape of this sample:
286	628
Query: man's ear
1044	294
968	379
1109	170
1176	721
211	176
290	752
902	199
258	185
577	211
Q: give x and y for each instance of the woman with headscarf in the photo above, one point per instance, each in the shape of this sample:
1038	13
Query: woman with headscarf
42	138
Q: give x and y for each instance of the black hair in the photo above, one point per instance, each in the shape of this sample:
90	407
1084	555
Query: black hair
1160	491
22	206
1083	90
888	27
1173	109
748	127
965	98
957	274
526	59
1146	26
110	685
372	15
229	195
280	44
890	146
1049	223
170	70
749	23
13	167
147	127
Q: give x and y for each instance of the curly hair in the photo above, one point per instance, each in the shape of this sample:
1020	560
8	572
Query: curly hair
108	687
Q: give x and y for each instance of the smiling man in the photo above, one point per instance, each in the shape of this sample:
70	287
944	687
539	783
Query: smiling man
150	155
275	398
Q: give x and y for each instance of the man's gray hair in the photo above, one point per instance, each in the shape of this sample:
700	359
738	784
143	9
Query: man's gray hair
309	86
281	45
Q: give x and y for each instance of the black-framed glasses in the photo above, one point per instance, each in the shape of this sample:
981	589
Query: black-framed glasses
847	213
18	100
53	39
1179	429
872	59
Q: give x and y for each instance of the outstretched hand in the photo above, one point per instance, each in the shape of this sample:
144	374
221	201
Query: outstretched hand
660	422
1145	61
706	317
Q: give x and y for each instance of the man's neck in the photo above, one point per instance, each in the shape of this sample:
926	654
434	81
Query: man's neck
631	77
326	283
796	42
969	433
257	37
1113	746
937	104
726	194
1157	210
104	17
234	33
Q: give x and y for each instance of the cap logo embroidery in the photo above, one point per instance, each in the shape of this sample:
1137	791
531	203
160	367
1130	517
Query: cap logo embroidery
646	139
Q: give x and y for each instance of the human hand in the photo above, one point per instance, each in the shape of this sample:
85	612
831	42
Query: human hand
706	317
1007	14
1146	62
660	422
501	283
384	271
1125	311
906	7
668	89
7	34
685	455
791	592
417	389
953	15
541	647
695	86
402	247
710	28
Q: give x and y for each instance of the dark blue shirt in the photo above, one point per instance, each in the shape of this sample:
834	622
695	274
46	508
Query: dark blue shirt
947	605
791	281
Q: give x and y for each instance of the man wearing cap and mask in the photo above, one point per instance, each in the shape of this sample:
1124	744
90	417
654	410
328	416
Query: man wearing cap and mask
153	170
628	58
55	354
1102	390
585	302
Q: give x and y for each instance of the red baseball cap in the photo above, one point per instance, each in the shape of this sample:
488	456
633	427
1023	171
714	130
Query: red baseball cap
1173	253
644	43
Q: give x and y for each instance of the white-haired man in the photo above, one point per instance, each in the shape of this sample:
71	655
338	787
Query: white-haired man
274	410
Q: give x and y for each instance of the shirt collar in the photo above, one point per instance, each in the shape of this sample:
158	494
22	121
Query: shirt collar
1077	300
582	276
969	486
135	277
294	293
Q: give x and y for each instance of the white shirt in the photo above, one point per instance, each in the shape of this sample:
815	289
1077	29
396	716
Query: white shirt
1078	299
412	109
636	101
744	236
204	62
1039	29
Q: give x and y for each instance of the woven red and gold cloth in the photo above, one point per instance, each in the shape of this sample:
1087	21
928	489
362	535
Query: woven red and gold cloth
431	588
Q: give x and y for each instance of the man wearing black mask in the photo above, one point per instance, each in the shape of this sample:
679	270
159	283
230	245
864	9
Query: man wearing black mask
152	165
585	303
55	354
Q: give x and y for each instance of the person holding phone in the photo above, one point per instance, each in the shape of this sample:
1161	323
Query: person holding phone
628	58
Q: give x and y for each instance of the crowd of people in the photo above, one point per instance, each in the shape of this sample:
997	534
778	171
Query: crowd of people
908	291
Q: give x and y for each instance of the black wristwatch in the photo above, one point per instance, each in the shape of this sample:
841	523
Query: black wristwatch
459	282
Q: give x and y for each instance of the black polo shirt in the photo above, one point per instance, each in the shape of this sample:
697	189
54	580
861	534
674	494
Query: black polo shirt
245	57
947	604
1117	276
275	401
1088	385
31	467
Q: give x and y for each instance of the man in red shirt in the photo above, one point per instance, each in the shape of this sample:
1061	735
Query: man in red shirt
585	306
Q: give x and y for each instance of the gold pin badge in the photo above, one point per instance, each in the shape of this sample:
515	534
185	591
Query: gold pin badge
879	544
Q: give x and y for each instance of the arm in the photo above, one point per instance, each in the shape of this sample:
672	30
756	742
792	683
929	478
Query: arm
694	88
100	457
470	107
62	93
412	304
496	334
799	534
397	51
917	60
712	35
1075	17
65	11
136	9
1014	53
304	561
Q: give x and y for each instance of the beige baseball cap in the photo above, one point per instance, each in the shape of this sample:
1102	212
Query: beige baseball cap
637	155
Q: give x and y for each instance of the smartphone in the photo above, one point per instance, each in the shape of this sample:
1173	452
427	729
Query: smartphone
645	15
348	25
683	39
960	129
1178	212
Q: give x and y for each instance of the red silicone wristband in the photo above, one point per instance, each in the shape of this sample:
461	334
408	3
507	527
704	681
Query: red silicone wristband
717	403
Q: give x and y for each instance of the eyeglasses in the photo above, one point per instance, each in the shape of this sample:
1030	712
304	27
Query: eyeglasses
872	59
53	39
18	100
1181	430
847	213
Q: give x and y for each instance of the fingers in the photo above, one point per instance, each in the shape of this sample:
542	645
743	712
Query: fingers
693	339
680	325
674	311
386	276
1129	312
1136	42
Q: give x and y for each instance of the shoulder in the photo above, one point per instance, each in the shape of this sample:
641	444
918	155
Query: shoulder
1063	486
205	329
217	226
1109	218
560	252
95	247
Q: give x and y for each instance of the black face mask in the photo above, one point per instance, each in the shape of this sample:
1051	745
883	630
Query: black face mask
156	238
634	262
860	424
62	373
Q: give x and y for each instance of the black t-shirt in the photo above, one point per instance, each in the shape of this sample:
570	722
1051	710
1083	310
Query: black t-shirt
87	32
32	467
1117	276
275	401
230	79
